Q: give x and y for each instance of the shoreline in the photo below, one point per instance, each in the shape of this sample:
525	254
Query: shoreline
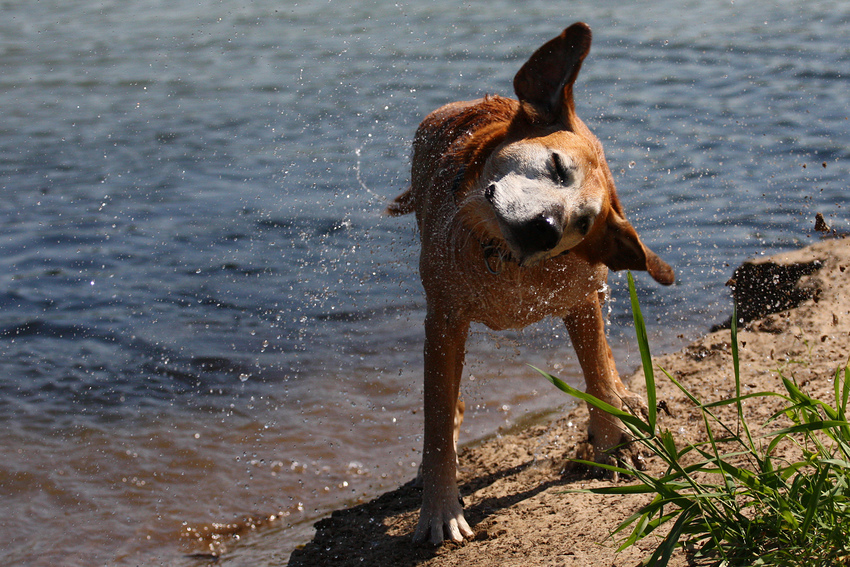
515	487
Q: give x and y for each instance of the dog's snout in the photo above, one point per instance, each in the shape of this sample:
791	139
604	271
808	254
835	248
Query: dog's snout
540	234
490	192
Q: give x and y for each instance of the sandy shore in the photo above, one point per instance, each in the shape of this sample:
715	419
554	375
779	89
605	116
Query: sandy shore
797	307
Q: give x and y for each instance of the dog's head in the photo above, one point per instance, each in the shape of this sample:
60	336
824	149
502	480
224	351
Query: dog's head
545	188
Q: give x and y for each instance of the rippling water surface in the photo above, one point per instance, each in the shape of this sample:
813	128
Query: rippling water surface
211	336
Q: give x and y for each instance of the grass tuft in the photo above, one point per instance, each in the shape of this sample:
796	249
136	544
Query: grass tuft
728	498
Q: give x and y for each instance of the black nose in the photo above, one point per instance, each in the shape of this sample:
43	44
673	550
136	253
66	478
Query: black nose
540	234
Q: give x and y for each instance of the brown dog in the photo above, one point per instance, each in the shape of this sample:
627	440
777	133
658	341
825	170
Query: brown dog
519	219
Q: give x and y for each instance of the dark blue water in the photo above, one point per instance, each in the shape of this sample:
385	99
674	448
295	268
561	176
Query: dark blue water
204	316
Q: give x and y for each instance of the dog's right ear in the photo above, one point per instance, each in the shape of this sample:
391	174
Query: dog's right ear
544	85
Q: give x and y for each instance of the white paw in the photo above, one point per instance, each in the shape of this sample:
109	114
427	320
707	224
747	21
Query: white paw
441	519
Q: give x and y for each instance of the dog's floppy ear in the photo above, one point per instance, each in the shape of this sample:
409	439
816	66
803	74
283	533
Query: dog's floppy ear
544	85
619	247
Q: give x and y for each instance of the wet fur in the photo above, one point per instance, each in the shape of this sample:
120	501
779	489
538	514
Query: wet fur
459	154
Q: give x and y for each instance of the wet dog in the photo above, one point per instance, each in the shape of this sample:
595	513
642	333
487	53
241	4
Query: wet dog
519	220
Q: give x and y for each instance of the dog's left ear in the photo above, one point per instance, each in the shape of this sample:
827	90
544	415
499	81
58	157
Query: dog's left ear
619	247
544	85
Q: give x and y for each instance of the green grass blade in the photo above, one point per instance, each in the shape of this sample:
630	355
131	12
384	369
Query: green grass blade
645	527
661	557
619	489
845	389
841	402
814	501
705	408
628	419
736	369
607	467
842	434
803	428
715	449
735	400
646	358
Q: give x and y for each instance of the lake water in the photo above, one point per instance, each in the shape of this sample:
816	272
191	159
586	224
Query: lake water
210	335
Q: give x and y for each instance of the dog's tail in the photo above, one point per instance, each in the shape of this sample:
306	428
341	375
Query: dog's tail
402	205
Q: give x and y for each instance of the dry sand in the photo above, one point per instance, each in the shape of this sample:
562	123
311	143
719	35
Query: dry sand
797	308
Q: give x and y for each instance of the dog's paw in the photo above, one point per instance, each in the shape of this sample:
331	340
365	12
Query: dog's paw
627	454
635	405
442	519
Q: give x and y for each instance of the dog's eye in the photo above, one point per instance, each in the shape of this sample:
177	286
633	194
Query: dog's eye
561	173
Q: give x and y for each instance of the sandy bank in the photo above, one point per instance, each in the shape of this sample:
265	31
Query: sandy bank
797	306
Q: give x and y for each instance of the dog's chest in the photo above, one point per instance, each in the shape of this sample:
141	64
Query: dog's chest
518	297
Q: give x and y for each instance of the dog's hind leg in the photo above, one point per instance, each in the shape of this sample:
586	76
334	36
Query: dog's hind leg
445	343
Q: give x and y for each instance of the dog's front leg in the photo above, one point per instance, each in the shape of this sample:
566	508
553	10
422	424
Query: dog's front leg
587	332
445	344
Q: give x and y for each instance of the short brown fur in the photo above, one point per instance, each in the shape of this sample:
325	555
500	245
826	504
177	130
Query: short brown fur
476	262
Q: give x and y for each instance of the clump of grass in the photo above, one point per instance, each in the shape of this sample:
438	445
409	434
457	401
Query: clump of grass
728	498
